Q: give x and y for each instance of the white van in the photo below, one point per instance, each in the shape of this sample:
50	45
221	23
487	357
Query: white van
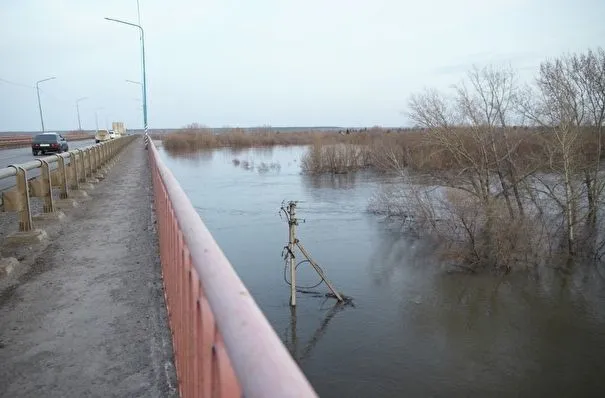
102	135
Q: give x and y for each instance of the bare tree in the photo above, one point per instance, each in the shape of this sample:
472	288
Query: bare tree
469	129
588	72
494	97
509	187
569	103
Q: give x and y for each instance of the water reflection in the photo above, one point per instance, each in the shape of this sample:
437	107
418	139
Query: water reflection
338	181
235	151
472	323
396	254
291	336
250	151
263	151
194	158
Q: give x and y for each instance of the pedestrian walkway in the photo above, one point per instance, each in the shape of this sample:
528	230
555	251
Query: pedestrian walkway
88	318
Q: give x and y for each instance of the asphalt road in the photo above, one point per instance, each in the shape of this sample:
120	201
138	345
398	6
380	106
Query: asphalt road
22	155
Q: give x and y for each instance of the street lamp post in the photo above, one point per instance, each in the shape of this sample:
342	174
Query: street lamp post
39	104
135	82
97	116
144	85
78	110
138	13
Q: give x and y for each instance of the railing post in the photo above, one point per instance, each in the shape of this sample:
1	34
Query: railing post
93	160
102	155
82	157
89	156
47	188
82	166
25	214
99	152
99	157
62	177
75	173
87	164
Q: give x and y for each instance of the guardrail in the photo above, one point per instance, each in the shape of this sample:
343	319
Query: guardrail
65	172
223	344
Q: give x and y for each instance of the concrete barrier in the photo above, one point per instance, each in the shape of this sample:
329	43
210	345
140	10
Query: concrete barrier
70	173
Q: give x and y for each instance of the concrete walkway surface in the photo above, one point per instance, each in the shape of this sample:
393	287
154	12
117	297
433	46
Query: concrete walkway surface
88	318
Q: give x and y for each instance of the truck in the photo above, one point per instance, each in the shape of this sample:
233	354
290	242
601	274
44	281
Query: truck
119	129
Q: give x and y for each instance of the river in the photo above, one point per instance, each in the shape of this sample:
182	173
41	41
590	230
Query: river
415	330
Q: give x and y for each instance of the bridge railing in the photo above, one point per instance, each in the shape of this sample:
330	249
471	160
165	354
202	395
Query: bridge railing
223	344
64	172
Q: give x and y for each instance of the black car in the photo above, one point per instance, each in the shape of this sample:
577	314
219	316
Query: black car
49	142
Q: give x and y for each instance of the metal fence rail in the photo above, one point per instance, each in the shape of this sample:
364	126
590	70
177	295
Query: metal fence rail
223	344
64	171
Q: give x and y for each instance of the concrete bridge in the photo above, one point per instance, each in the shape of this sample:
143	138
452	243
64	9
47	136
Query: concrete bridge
111	285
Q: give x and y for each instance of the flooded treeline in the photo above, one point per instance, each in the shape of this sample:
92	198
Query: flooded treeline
499	197
501	175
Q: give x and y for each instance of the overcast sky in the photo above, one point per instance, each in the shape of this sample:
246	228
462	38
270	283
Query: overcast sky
277	62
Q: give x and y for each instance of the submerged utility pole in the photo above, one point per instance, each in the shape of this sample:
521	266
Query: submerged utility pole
292	222
290	212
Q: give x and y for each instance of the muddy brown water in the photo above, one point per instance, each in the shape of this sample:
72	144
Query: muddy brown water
415	330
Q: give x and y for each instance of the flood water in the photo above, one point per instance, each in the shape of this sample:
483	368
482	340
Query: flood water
415	331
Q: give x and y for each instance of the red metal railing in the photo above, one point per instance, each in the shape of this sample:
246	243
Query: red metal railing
223	344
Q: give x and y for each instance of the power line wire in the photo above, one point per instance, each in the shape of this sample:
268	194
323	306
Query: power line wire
14	83
33	87
65	101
